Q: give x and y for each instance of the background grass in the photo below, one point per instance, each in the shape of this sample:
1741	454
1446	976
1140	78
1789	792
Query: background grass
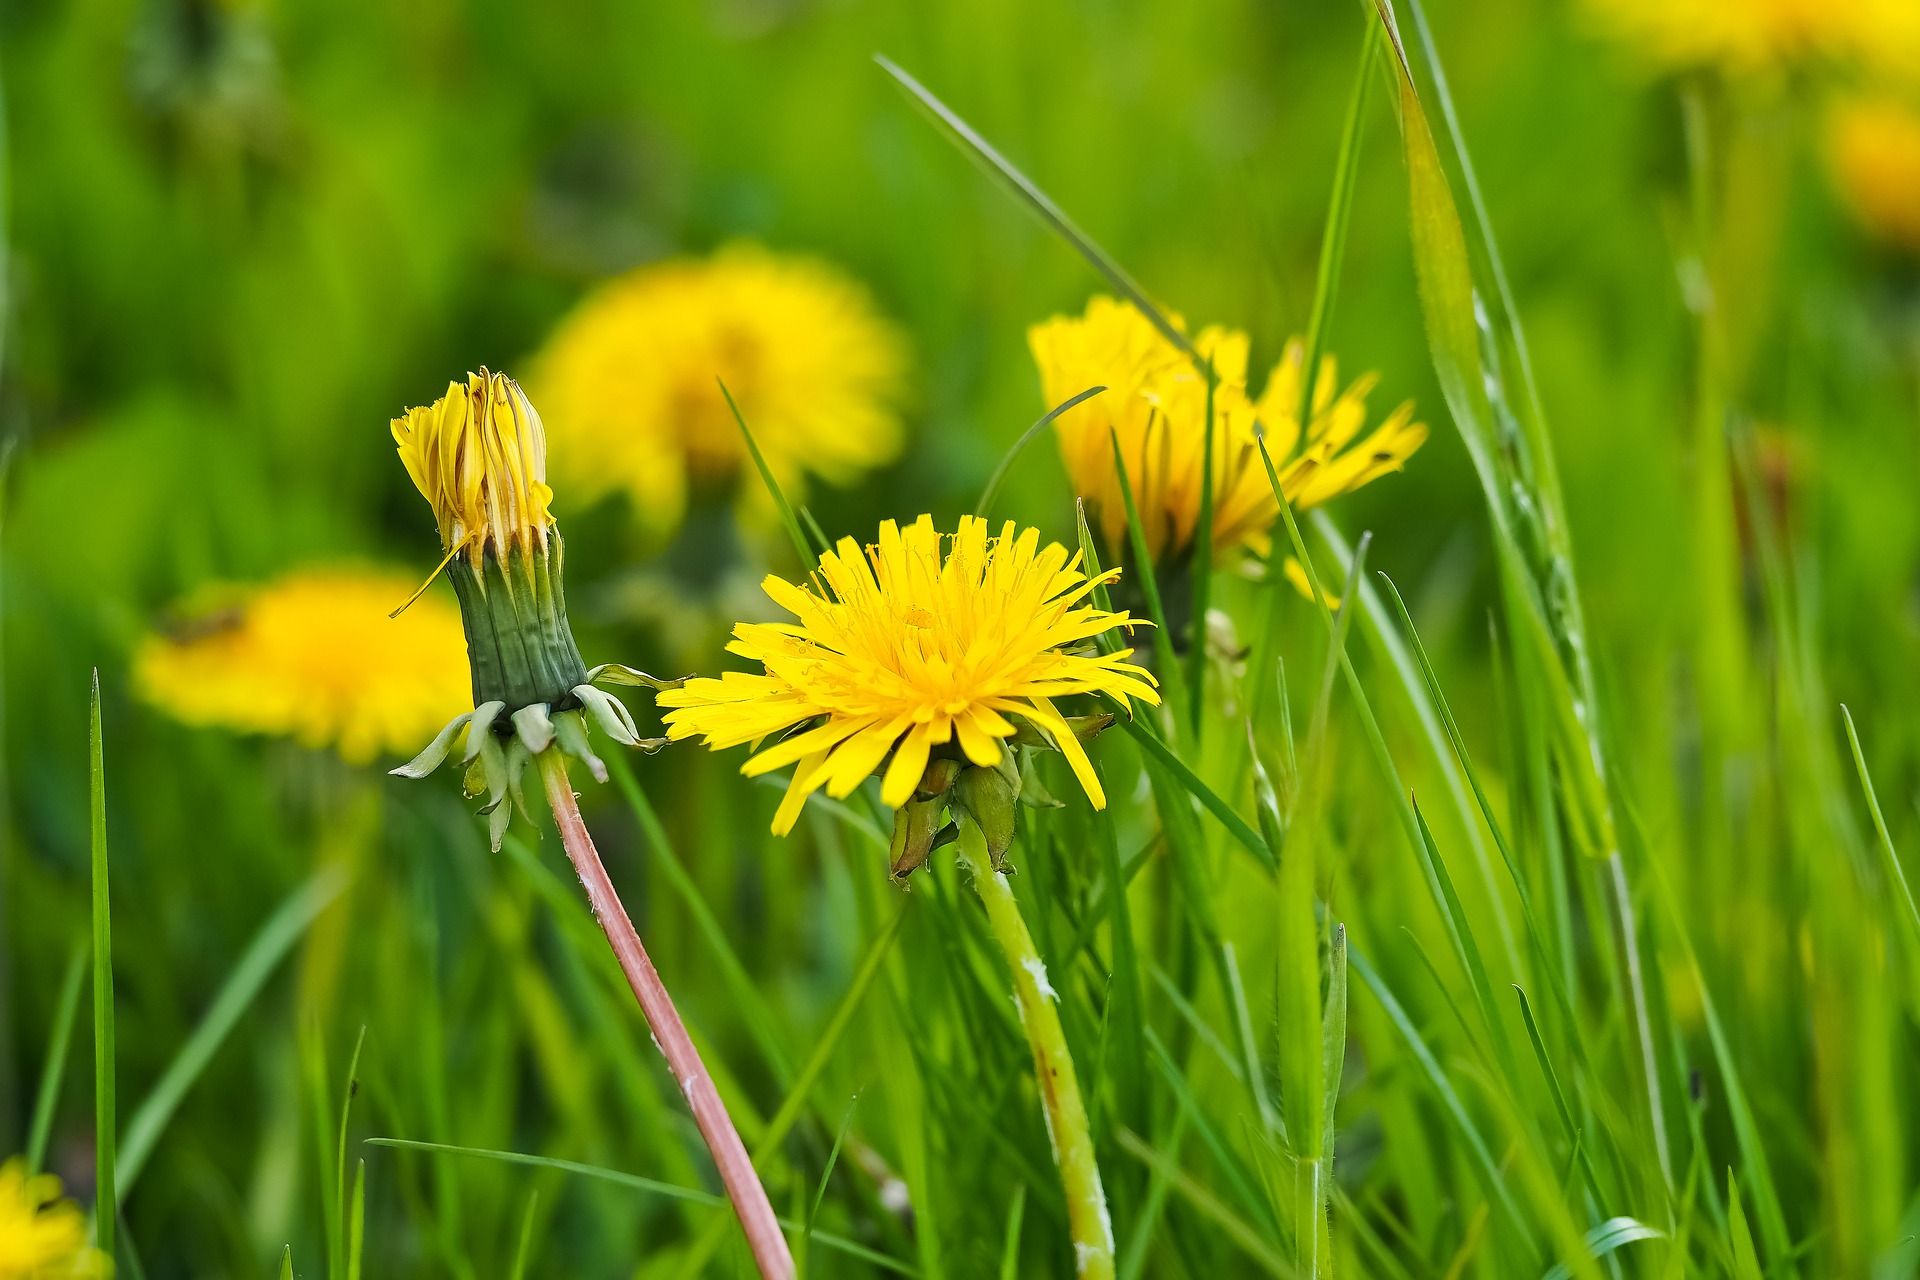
242	236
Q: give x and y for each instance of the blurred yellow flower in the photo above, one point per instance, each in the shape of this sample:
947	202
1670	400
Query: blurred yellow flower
315	657
631	379
479	456
1749	36
42	1236
1156	404
1873	148
900	648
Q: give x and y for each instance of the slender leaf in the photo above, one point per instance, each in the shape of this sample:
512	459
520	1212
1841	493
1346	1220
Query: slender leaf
635	1182
104	1145
287	924
1005	465
47	1099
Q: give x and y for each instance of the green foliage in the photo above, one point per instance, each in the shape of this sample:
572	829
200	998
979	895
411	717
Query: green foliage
1619	786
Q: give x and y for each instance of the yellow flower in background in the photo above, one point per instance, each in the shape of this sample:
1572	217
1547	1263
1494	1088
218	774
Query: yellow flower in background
315	657
42	1236
901	648
1156	405
1754	36
630	380
1873	149
479	456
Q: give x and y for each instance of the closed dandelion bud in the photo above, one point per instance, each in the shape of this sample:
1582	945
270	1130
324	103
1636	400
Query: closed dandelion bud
479	456
990	795
915	824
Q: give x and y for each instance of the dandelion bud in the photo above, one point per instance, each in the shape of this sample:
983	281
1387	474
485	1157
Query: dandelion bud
479	456
915	824
990	794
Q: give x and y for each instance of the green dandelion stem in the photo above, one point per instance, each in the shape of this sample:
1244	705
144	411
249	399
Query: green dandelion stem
1052	1064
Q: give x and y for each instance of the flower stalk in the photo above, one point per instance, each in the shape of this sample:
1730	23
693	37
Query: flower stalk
1066	1113
749	1198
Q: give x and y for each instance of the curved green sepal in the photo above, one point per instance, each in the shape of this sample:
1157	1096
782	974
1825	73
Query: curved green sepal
436	753
570	731
617	673
533	729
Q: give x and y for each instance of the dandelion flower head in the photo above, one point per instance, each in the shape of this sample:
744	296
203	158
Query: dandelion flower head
631	380
479	456
913	643
42	1236
1155	406
314	656
1748	37
1873	149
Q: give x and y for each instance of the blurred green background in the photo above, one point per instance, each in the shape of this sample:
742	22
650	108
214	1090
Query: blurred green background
242	236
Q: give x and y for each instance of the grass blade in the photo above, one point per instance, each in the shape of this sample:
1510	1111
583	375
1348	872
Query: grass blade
357	1221
1612	1234
1482	1156
1127	997
1894	871
740	987
47	1100
1005	464
982	151
104	1148
787	517
1010	1252
1244	1237
340	1151
1210	800
256	964
1201	570
634	1182
820	1193
523	1252
1169	670
1333	241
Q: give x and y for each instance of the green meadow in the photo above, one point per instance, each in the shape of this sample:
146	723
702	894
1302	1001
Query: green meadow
1524	898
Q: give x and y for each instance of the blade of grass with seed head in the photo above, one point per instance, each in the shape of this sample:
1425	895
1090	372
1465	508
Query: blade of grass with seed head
104	1148
1006	462
47	1099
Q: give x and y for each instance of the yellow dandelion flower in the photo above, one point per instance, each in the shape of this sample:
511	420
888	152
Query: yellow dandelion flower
479	457
1156	405
900	648
42	1236
1748	37
630	378
1873	148
314	657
